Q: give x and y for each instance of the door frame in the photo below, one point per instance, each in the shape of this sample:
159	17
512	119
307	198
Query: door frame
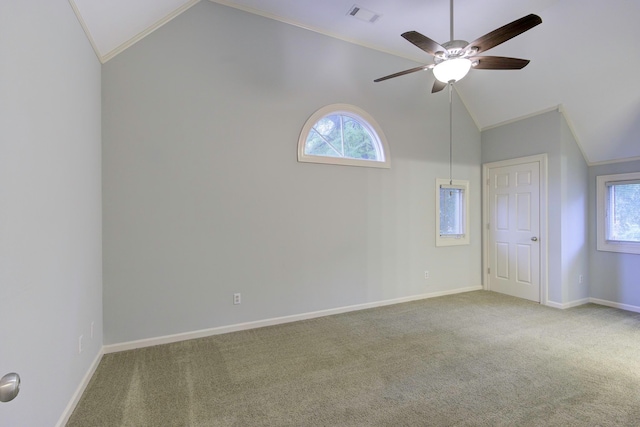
542	160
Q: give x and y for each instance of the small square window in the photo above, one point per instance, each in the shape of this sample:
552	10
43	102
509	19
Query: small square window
618	213
623	220
452	212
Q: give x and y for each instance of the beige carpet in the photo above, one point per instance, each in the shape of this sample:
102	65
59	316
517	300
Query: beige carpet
473	359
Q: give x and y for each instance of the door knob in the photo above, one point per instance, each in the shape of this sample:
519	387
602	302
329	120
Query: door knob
9	387
534	239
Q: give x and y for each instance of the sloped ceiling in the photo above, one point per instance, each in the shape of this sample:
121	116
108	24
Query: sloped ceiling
583	57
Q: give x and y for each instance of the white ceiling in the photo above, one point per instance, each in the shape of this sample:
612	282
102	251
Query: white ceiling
583	56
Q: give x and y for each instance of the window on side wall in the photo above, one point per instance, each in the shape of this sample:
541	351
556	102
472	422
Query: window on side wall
452	212
618	212
342	134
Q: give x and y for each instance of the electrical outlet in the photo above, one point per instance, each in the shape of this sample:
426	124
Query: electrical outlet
580	278
237	299
426	274
92	326
80	344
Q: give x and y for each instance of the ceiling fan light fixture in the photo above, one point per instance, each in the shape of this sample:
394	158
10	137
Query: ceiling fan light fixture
452	69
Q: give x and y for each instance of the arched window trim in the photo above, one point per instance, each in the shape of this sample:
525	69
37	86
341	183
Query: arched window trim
357	114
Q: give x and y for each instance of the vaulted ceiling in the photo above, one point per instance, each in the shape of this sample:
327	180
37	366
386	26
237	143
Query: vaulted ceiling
583	56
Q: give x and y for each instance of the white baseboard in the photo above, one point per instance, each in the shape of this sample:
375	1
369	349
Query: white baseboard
570	304
113	348
576	303
621	306
554	304
64	418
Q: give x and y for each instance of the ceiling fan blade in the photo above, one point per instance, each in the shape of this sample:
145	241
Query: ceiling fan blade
423	42
504	33
438	86
498	63
402	73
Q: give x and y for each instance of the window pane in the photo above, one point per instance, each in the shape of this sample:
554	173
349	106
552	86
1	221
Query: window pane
325	138
624	212
326	125
315	145
358	142
451	211
341	136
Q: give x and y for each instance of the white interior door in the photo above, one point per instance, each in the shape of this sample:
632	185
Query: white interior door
513	230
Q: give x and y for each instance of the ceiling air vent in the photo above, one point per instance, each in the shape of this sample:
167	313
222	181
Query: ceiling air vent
363	14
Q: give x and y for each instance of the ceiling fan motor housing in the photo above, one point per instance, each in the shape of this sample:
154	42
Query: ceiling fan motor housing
454	49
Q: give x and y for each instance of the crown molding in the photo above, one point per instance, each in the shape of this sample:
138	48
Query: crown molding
85	28
609	162
127	44
314	29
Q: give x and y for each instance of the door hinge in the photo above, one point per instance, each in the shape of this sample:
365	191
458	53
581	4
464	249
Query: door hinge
488	270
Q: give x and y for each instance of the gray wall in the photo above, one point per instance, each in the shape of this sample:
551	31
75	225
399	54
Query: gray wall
613	276
50	207
203	196
575	212
548	133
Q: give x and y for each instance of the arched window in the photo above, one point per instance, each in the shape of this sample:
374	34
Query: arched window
342	134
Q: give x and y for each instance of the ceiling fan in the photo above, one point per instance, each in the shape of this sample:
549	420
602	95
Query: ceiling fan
454	59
